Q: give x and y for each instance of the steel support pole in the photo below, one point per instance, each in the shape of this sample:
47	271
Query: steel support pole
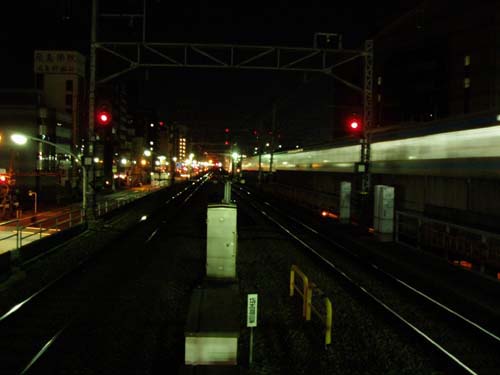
365	187
89	190
84	188
273	130
367	114
259	145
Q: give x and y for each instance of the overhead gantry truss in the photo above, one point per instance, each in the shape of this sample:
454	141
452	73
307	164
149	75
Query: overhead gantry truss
226	56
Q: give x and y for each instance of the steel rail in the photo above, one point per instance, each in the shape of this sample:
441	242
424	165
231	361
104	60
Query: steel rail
45	347
370	295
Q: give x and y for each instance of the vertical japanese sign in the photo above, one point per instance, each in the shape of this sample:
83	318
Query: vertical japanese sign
252	310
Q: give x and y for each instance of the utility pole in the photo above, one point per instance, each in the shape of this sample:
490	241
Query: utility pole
368	116
273	131
368	124
89	214
259	145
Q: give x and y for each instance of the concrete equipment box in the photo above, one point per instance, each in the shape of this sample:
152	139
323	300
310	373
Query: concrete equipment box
222	241
213	325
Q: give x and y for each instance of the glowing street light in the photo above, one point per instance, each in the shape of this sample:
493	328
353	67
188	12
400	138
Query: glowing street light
22	139
19	139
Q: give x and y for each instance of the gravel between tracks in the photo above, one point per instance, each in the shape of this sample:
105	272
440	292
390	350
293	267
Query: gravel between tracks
284	343
140	327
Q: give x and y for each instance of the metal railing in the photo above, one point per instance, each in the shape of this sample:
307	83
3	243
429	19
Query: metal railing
305	293
49	226
308	290
18	232
326	315
418	231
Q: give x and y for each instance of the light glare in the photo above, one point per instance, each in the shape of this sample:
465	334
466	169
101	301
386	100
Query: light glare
19	139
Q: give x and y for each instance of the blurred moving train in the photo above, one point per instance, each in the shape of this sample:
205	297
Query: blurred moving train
466	147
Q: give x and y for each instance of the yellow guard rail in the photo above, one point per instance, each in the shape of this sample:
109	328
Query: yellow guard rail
305	293
307	301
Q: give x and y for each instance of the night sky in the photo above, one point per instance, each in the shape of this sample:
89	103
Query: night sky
205	100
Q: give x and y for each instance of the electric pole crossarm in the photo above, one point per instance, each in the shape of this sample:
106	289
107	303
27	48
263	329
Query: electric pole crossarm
209	56
166	57
347	60
312	54
258	56
117	54
233	56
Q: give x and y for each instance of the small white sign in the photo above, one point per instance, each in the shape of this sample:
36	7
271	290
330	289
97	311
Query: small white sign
252	310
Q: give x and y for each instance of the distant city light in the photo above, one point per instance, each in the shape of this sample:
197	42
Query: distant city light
147	153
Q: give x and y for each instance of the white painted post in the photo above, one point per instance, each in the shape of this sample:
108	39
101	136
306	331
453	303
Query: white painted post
345	202
252	303
383	213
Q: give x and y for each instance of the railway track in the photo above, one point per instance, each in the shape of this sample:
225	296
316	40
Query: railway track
68	325
31	327
456	343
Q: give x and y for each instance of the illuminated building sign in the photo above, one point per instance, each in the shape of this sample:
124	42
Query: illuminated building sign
59	62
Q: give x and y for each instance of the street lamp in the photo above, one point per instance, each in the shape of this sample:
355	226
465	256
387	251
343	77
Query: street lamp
30	193
21	139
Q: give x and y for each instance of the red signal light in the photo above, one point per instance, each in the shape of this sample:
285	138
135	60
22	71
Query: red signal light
226	143
226	130
355	126
103	117
161	123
